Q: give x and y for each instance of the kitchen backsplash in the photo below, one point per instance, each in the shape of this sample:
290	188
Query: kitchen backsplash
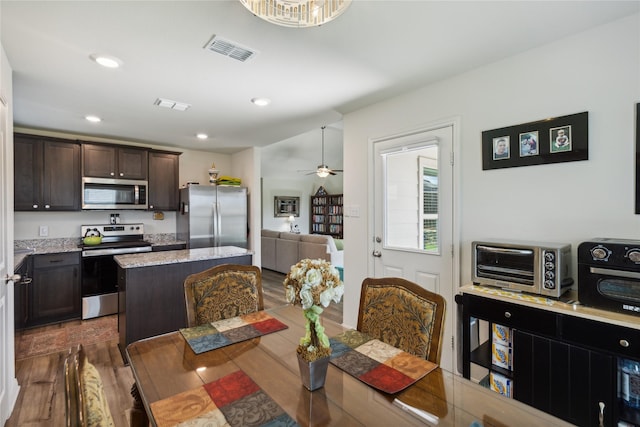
63	225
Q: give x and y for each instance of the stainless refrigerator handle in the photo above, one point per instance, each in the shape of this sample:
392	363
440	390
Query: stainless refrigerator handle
214	221
218	223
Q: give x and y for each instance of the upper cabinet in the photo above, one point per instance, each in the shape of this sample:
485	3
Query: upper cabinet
109	161
47	174
163	180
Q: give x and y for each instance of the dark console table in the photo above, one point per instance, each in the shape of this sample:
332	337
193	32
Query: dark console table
564	355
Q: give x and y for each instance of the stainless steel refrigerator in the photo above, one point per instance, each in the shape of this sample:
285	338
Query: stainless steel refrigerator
212	215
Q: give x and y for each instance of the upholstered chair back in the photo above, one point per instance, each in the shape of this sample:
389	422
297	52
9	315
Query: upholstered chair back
221	292
402	314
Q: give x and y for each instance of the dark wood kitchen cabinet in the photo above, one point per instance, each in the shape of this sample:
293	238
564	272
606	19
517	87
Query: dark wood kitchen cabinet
21	292
563	364
110	161
163	180
47	174
55	293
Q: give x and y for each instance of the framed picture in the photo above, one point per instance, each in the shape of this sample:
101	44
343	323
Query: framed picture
286	206
553	140
529	144
501	148
638	158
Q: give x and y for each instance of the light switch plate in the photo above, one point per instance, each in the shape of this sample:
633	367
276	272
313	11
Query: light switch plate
44	231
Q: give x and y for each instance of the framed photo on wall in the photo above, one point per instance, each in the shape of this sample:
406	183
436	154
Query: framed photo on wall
286	206
638	158
554	140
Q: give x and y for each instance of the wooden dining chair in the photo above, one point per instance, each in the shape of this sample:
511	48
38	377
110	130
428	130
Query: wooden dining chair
85	402
221	292
402	314
73	405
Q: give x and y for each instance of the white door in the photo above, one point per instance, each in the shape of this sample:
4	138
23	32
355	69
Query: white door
413	222
8	384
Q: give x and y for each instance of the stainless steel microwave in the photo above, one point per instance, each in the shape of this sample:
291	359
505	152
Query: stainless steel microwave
535	267
107	193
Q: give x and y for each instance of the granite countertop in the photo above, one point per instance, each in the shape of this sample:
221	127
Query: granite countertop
23	248
147	259
568	304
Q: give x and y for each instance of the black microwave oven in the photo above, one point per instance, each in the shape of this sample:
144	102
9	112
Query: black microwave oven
107	193
540	268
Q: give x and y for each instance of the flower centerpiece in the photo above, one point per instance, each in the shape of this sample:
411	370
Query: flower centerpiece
313	284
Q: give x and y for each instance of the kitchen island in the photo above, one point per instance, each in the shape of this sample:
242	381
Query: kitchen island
150	287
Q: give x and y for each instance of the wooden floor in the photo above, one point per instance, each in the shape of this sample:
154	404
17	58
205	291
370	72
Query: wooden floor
41	398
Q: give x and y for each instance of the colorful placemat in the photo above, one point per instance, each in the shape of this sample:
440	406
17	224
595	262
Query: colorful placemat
376	363
233	400
230	331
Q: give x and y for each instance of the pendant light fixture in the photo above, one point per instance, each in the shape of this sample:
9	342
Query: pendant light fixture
297	13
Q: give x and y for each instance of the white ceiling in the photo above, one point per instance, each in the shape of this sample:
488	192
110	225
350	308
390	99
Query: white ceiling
375	50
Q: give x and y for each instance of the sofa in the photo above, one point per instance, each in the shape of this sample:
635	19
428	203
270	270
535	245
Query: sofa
281	249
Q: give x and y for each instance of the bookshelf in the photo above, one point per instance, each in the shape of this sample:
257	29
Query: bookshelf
326	214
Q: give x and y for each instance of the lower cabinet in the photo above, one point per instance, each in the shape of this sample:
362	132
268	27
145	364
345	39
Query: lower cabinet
562	364
54	294
566	381
151	298
21	291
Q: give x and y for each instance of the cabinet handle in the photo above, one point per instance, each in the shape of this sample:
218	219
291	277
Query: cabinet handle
601	414
507	314
624	343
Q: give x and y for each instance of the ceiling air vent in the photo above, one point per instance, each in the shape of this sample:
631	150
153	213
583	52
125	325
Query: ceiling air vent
174	105
230	48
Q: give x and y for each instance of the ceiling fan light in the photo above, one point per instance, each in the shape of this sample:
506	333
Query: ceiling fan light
323	171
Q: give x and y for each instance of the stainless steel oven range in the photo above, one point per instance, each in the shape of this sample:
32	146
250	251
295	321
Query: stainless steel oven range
609	274
99	270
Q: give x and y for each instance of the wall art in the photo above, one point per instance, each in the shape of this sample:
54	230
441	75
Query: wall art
638	158
553	140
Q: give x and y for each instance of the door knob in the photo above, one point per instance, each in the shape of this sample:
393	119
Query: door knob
12	278
377	254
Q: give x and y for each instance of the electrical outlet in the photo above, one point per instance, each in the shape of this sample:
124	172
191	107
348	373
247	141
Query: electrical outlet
44	231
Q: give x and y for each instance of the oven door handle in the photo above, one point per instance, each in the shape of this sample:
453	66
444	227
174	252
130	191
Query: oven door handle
616	273
115	251
505	250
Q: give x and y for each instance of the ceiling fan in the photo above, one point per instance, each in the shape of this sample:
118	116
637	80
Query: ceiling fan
323	170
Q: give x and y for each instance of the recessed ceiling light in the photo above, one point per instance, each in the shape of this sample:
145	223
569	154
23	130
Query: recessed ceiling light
261	102
93	119
202	136
106	60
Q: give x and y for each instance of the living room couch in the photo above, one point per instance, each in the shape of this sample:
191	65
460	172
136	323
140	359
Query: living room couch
281	249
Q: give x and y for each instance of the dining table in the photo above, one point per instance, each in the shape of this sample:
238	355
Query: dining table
165	367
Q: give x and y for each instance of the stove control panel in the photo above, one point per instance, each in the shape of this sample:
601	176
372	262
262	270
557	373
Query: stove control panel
111	230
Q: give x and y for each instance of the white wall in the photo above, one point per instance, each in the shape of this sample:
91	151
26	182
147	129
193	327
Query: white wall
246	166
597	71
303	187
287	170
